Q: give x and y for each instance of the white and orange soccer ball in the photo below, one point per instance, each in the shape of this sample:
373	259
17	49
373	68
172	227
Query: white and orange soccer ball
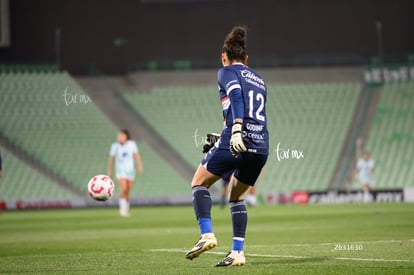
101	188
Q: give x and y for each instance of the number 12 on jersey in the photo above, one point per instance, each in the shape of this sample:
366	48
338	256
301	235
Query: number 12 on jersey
256	100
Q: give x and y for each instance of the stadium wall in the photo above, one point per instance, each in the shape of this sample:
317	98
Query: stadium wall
117	36
145	81
322	197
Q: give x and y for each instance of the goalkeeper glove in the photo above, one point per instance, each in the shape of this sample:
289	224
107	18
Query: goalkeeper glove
211	139
236	142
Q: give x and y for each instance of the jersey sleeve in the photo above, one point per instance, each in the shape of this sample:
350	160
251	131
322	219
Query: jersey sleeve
112	151
229	81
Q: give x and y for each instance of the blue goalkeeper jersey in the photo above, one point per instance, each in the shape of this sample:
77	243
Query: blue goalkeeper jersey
253	90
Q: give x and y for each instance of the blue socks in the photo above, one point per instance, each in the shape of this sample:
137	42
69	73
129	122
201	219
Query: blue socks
205	225
239	221
238	244
202	208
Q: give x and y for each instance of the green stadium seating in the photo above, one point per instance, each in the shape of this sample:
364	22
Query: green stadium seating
182	115
313	118
20	181
158	179
71	137
391	137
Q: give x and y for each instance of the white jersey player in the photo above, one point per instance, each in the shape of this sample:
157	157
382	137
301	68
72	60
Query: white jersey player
366	168
126	155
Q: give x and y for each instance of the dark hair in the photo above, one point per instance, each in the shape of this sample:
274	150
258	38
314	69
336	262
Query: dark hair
126	132
235	43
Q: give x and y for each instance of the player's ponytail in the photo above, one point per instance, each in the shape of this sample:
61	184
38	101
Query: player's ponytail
235	44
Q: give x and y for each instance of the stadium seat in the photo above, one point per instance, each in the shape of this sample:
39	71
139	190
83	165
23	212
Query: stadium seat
71	138
320	112
20	181
391	137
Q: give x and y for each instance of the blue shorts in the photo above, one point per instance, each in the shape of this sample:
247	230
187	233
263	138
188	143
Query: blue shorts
246	167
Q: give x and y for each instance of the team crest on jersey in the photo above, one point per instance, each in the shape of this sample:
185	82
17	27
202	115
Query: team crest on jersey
225	102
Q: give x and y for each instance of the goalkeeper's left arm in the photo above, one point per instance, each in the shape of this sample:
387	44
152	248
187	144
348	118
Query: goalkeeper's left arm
236	141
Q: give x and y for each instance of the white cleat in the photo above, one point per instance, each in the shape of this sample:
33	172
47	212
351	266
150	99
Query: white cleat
234	258
205	243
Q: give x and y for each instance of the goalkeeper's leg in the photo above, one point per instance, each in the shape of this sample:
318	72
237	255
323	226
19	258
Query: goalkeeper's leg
202	180
245	176
238	213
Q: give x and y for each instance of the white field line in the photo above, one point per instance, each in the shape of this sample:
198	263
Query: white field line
182	250
374	260
327	244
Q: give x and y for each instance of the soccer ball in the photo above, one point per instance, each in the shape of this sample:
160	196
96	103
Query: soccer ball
101	188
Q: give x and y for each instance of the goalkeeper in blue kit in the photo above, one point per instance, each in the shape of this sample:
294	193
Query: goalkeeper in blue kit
242	149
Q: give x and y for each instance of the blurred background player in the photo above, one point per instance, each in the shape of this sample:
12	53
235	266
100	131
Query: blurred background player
223	193
251	198
365	167
124	151
243	148
1	169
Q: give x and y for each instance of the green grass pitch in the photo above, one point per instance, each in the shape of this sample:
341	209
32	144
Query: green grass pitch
289	239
